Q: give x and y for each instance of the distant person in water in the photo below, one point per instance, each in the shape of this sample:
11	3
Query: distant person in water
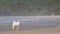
15	25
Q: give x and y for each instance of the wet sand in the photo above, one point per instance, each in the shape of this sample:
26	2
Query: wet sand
40	31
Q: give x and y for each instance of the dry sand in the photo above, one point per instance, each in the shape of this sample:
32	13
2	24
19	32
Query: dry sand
40	31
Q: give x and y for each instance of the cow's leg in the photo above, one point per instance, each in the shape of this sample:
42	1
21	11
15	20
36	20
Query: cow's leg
17	27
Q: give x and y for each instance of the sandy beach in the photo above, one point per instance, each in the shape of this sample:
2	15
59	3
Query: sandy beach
40	31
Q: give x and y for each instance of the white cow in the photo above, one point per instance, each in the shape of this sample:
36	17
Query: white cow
15	24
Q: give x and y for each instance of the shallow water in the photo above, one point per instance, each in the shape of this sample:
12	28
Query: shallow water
29	23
